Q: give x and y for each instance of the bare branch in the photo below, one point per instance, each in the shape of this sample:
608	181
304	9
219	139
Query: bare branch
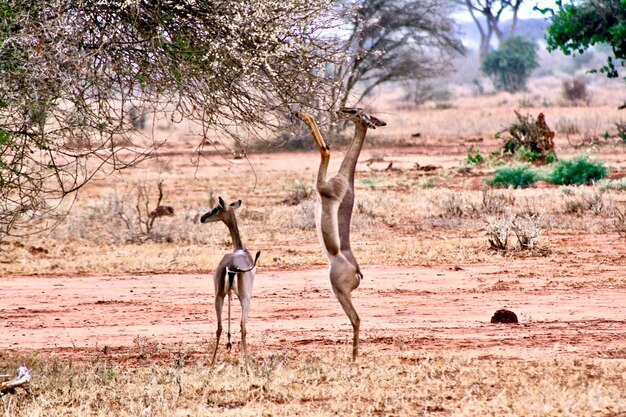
392	41
71	74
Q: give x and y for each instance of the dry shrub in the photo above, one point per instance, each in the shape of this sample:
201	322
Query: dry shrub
175	383
525	229
531	134
498	230
575	90
303	217
566	126
619	222
527	232
475	206
424	92
612	184
452	205
378	209
298	194
492	203
621	131
579	202
527	208
115	218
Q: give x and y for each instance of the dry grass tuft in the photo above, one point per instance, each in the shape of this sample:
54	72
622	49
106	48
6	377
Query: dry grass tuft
581	201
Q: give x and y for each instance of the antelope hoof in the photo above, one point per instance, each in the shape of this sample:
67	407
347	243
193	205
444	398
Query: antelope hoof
229	346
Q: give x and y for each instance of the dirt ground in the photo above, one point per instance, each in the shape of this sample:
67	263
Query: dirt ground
424	308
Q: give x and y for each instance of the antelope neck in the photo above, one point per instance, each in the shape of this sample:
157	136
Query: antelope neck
234	235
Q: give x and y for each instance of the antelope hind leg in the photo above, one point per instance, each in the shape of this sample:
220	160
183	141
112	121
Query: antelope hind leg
219	303
245	308
343	279
345	299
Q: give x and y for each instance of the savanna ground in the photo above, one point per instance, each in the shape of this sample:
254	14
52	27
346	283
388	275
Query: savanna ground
113	322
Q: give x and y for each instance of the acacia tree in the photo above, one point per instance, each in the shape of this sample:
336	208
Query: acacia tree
394	40
510	66
70	72
491	12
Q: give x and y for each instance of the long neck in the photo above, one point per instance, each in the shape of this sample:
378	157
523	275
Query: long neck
234	234
344	213
348	165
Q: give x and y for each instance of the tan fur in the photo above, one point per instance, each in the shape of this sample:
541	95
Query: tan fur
238	260
334	214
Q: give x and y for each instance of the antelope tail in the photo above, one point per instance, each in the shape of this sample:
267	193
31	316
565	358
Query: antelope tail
234	270
231	272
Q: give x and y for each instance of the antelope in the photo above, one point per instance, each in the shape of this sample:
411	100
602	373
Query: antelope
334	212
235	273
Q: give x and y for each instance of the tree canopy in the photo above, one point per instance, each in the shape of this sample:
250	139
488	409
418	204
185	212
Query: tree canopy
75	76
70	73
575	27
510	66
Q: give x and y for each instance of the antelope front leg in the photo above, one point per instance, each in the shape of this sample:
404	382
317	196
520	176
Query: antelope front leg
315	132
321	146
219	303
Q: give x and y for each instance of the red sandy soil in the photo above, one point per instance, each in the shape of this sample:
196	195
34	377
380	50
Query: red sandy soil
565	302
437	309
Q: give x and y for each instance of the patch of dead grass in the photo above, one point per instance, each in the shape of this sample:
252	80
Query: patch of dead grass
423	226
180	383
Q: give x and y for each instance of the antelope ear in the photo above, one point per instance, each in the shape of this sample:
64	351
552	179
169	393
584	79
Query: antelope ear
235	204
221	202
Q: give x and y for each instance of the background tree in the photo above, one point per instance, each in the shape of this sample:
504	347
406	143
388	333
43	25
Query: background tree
70	72
486	14
394	40
510	66
574	28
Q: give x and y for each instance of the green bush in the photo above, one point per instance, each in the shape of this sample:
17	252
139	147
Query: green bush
510	66
577	171
516	176
475	157
550	158
527	155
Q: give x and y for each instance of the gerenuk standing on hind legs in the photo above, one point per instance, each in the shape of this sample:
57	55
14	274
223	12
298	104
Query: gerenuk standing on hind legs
334	211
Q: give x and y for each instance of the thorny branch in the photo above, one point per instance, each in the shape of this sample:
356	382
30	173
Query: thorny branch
71	74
